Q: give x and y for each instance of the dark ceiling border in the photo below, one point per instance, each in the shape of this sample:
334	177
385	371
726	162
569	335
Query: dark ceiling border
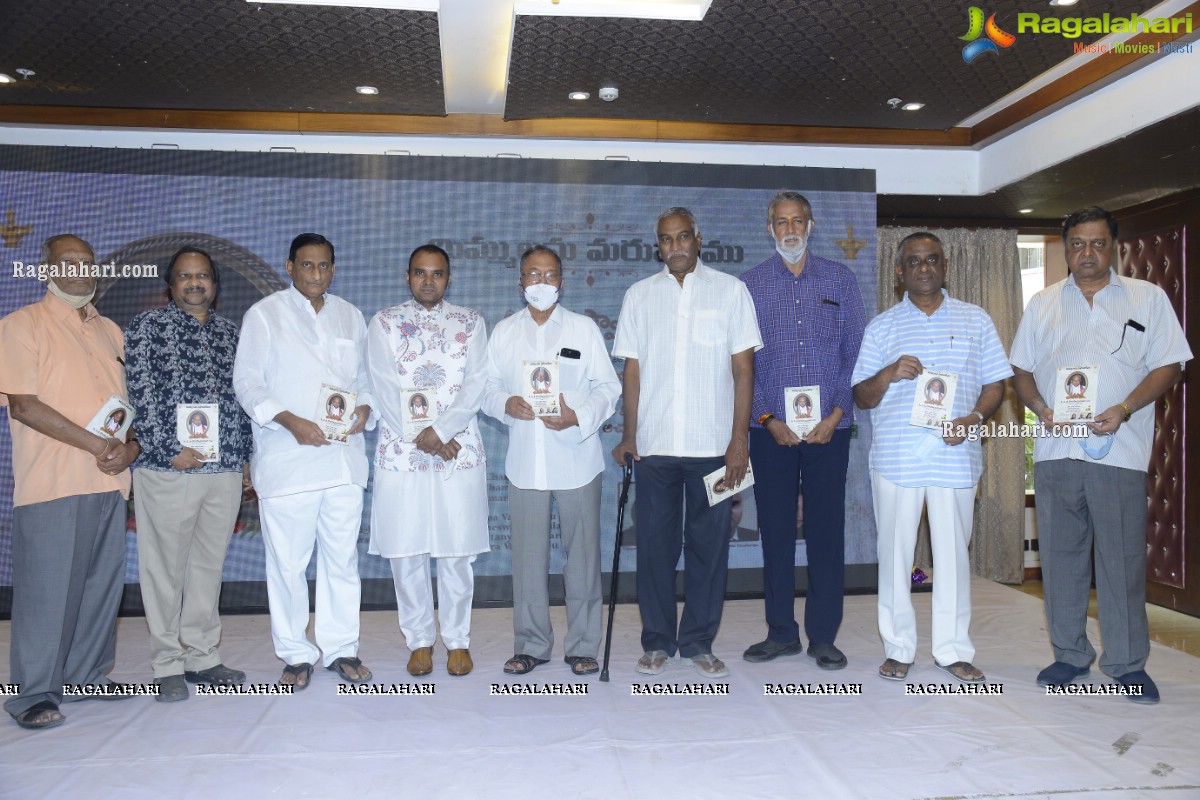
1087	76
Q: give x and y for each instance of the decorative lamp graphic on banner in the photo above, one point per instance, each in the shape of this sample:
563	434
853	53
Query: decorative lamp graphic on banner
1075	393
113	419
718	491
542	387
802	404
933	401
198	426
335	407
418	408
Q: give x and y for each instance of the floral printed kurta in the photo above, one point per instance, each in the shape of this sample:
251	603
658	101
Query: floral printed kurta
422	504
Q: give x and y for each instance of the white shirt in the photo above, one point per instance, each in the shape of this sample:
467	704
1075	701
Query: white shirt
1060	329
286	351
540	458
683	338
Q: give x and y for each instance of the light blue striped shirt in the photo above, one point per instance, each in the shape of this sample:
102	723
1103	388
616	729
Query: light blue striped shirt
1060	329
960	338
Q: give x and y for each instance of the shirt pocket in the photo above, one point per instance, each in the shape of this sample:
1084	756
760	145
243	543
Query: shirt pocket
710	329
345	352
1130	350
571	372
963	354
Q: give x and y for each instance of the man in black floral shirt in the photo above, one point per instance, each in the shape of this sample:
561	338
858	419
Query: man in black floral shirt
186	506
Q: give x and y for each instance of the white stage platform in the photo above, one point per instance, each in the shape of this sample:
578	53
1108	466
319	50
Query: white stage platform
464	742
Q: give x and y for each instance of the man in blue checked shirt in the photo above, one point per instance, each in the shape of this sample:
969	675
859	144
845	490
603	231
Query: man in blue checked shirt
186	506
810	313
936	468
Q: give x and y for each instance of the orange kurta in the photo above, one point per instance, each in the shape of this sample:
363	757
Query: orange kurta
73	365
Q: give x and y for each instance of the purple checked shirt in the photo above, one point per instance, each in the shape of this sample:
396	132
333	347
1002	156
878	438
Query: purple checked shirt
812	326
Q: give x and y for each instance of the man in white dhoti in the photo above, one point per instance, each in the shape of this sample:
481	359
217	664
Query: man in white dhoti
430	495
310	491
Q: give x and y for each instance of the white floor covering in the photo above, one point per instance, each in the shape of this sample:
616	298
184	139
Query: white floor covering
463	742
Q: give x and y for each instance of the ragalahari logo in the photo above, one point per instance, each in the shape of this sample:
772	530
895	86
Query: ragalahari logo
995	40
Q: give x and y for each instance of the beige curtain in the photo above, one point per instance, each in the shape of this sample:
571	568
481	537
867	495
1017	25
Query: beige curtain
984	269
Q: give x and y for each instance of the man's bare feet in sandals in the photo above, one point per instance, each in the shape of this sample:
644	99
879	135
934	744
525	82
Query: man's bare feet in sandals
296	675
963	670
893	670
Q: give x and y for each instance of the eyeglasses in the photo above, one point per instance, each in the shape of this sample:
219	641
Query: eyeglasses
542	277
934	260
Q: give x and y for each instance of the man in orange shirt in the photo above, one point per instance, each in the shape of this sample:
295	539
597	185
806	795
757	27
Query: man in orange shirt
60	363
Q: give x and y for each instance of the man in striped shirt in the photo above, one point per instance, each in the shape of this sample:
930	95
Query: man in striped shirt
1091	495
810	313
913	466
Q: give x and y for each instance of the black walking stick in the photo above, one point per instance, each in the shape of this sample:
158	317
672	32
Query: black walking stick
626	477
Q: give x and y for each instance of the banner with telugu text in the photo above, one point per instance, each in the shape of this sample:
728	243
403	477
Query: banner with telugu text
139	206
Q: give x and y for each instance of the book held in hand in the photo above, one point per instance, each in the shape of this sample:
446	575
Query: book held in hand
718	491
1075	393
113	419
335	412
197	425
802	405
418	410
542	387
933	400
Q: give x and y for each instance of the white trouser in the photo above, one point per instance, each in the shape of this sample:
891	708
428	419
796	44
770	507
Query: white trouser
414	600
291	525
897	515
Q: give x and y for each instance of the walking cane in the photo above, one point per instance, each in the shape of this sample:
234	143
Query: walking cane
626	477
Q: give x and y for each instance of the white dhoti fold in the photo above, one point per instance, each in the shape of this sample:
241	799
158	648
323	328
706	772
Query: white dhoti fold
419	515
428	513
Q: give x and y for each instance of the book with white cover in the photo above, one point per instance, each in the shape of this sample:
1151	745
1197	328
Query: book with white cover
802	405
418	410
1075	393
113	419
718	491
933	399
541	387
335	411
198	426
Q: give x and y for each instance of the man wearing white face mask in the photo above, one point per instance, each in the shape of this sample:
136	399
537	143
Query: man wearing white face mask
555	457
810	313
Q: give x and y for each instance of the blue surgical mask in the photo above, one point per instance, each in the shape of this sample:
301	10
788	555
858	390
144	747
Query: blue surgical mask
1097	452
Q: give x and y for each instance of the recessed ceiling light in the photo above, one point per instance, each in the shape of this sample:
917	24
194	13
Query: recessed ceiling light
578	96
913	106
7	78
1025	211
366	90
1063	2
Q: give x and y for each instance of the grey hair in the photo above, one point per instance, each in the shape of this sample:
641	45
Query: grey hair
48	245
788	196
678	211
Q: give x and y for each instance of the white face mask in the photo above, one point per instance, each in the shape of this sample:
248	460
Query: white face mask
75	301
793	251
541	295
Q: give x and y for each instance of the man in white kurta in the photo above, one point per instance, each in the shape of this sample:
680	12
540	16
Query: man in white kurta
310	491
552	458
430	494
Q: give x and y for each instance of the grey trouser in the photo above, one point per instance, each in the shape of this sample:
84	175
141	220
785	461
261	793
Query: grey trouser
579	520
